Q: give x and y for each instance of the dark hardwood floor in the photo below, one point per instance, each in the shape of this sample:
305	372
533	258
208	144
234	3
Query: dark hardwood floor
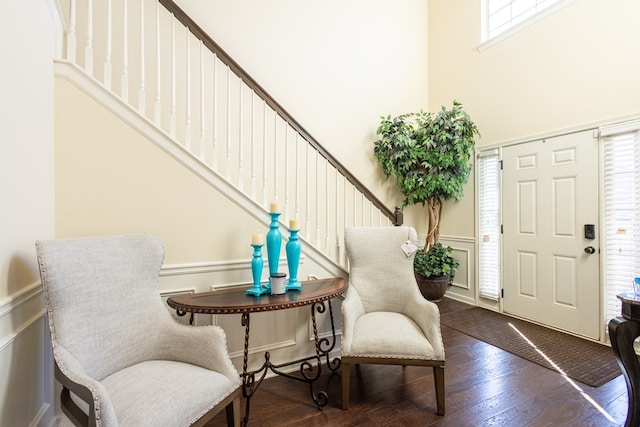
485	386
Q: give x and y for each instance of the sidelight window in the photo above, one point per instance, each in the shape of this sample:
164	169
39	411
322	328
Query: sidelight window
621	212
488	173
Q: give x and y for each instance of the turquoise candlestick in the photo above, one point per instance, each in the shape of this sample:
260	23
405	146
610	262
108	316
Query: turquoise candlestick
274	242
293	249
257	264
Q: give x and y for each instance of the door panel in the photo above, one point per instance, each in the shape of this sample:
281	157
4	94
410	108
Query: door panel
550	190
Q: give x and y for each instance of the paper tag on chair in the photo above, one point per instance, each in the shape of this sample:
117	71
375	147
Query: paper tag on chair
408	248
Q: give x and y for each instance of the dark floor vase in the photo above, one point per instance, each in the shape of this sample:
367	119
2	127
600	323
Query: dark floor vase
433	288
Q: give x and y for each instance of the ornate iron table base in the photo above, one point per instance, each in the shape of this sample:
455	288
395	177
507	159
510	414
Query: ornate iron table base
314	293
310	367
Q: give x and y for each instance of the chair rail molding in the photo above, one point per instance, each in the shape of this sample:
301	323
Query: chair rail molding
20	311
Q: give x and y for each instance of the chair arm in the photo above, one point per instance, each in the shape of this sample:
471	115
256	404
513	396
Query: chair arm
352	309
426	315
204	346
70	373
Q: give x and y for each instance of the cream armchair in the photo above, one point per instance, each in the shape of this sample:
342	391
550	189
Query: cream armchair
116	346
385	319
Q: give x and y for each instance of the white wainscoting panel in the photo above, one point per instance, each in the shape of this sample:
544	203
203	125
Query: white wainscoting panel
463	287
26	383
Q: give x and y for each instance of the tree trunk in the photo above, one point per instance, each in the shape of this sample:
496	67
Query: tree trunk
434	205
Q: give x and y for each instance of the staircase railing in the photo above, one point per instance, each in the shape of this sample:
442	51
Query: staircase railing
159	61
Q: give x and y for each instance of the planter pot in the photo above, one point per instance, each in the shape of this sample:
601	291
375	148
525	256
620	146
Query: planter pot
433	288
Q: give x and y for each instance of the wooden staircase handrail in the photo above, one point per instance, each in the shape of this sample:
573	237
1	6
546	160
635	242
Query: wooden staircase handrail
394	216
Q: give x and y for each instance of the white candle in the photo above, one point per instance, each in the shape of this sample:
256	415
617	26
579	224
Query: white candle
274	207
257	239
293	224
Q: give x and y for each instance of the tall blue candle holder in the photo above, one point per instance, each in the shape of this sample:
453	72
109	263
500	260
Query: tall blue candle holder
293	249
256	270
274	242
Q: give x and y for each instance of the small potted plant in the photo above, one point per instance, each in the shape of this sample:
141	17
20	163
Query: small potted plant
434	270
429	157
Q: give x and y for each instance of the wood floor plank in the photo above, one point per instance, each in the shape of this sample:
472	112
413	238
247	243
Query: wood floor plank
484	386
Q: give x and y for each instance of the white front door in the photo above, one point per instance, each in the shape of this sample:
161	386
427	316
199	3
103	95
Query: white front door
550	191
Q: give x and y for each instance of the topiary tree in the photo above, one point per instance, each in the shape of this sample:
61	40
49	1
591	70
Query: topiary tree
428	155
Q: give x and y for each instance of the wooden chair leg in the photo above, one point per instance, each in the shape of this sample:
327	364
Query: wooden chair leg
233	413
346	368
438	375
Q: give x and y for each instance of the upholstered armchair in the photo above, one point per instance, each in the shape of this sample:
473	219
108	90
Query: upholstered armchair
120	356
385	319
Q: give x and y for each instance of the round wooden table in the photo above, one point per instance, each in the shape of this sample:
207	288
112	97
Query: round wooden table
235	301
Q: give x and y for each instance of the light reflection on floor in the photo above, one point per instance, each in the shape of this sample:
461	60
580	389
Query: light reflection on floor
569	380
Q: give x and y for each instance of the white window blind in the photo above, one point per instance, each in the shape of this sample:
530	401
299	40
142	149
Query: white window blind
504	14
488	172
622	214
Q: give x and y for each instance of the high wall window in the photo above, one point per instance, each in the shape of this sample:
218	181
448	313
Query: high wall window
501	15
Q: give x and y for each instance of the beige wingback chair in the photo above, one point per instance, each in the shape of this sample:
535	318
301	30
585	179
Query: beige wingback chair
385	319
116	345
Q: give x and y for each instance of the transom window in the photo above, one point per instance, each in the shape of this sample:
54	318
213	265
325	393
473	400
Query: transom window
502	15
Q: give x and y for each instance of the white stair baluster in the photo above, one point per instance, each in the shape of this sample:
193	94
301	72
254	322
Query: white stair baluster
187	127
286	174
253	146
71	33
345	210
297	178
106	80
337	209
228	165
141	89
157	108
307	195
240	141
214	136
327	244
88	50
172	113
124	78
202	108
355	195
317	192
276	196
265	196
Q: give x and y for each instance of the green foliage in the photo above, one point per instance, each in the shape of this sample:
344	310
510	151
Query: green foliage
428	154
437	261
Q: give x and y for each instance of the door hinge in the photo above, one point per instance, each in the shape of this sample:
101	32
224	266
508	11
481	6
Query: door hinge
502	293
501	164
501	229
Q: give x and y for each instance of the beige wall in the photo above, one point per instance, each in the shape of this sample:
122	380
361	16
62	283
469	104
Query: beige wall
574	67
577	66
26	200
112	180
